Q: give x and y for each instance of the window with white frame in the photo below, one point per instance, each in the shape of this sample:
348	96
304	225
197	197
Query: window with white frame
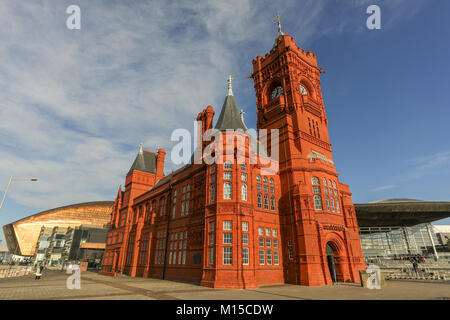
268	242
259	200
227	190
243	176
227	238
261	242
245	238
258	178
244	226
271	182
316	189
266	202
245	256
269	257
227	165
272	203
317	202
228	255
268	232
337	205
276	258
327	200
228	225
227	175
262	258
244	192
275	243
261	231
265	179
332	204
324	181
315	181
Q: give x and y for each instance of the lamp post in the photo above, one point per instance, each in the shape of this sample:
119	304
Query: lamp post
4	197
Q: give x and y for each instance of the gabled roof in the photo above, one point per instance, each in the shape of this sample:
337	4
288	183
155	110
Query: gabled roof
145	161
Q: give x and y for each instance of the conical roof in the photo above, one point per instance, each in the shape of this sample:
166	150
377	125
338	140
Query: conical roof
230	117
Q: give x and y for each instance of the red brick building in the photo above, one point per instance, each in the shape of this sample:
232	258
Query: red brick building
230	224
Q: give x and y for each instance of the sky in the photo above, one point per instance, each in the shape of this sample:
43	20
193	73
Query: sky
75	104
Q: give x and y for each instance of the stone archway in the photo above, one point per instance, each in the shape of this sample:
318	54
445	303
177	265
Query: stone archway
331	262
336	260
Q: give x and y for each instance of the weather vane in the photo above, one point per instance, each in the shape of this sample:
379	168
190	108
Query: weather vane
277	19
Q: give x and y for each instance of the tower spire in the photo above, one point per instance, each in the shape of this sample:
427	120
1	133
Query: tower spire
140	148
230	90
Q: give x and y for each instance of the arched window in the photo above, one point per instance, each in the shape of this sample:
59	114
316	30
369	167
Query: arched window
227	165
243	167
315	181
303	90
227	190
337	205
334	184
332	204
272	203
265	180
329	183
317	203
271	182
327	200
244	191
258	178
324	181
259	202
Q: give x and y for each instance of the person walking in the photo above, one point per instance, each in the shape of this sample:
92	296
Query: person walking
38	272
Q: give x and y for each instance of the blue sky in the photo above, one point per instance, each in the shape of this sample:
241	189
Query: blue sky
75	104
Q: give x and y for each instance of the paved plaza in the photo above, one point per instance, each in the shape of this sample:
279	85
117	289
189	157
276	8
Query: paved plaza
52	286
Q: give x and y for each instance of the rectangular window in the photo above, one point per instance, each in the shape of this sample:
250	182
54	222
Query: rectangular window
262	258
211	226
211	239
268	242
228	255
274	233
243	176
227	238
213	178
260	231
276	259
245	238
261	242
227	175
275	243
227	225
291	254
258	187
269	257
244	226
245	256
272	190
266	189
268	232
266	202
213	193
316	189
211	256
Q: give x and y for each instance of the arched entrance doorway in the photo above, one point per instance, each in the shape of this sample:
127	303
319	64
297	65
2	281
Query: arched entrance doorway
331	262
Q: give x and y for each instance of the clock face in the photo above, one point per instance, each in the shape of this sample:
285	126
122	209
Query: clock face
303	90
278	91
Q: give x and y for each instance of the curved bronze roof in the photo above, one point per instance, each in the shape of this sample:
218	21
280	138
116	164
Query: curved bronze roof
22	235
400	212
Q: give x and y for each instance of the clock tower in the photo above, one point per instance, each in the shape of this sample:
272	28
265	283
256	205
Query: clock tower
319	230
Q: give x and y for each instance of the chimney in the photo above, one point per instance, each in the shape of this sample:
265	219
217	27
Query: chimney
160	163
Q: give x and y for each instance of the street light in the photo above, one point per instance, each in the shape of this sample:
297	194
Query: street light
9	183
4	197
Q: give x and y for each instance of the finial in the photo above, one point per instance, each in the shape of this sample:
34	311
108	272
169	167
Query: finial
242	115
277	19
230	91
140	148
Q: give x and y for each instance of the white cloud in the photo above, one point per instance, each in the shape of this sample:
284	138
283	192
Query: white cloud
382	188
75	104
